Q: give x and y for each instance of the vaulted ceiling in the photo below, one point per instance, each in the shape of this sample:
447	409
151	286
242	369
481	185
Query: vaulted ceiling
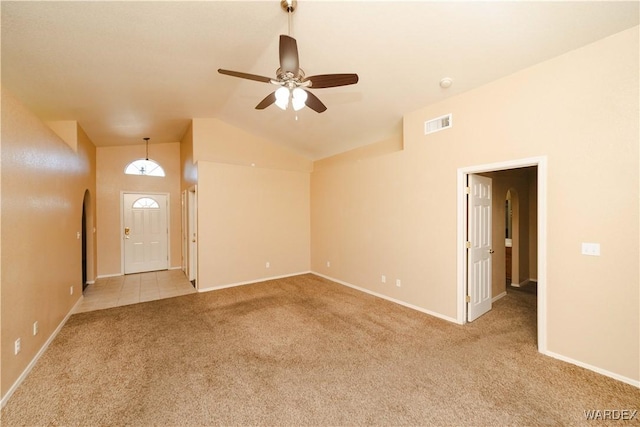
127	70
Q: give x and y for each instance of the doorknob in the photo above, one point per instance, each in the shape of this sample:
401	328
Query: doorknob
491	251
127	230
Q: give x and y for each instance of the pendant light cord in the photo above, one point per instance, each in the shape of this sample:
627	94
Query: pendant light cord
147	142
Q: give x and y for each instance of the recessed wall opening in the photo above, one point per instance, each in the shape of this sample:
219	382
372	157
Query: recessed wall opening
519	201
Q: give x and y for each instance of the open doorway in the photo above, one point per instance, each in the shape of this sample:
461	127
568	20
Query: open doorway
537	165
84	245
514	230
86	235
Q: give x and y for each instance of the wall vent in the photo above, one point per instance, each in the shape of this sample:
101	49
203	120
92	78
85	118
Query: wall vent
437	124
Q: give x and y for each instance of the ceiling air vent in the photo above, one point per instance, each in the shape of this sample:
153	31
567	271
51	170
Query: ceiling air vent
439	123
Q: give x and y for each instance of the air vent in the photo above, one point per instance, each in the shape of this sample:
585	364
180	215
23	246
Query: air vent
437	124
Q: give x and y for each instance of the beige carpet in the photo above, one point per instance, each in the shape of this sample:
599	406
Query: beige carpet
305	351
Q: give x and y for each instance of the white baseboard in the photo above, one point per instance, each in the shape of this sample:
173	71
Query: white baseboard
249	282
388	298
497	297
523	283
104	276
35	359
635	383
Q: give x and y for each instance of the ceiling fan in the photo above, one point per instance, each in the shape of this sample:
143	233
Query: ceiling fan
291	78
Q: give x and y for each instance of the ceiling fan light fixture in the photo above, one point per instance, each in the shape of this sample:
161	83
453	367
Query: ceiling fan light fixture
299	98
282	97
297	104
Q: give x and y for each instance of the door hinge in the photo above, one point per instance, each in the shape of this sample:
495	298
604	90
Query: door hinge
468	299
467	190
468	244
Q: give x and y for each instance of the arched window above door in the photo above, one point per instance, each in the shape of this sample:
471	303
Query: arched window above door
144	167
146	203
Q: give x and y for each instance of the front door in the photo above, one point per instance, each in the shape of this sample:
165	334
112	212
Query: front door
479	252
145	232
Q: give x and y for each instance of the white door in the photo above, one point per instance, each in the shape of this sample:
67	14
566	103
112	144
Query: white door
145	232
479	252
192	228
184	231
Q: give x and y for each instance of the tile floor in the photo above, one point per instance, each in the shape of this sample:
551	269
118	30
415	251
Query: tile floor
134	288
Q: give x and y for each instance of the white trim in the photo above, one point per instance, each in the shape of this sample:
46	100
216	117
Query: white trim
249	282
174	268
105	276
630	381
396	301
541	163
90	282
497	297
523	283
35	359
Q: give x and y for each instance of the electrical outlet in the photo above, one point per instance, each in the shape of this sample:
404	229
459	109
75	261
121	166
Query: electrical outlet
592	249
267	264
71	290
398	283
16	347
35	328
383	279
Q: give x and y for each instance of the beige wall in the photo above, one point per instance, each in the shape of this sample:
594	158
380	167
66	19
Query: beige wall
248	215
220	142
111	181
533	226
188	169
395	214
43	187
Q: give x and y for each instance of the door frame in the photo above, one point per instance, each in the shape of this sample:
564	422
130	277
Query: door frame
541	163
192	233
144	193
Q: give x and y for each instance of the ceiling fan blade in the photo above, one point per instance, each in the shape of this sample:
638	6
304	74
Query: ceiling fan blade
314	103
270	99
289	55
332	80
245	76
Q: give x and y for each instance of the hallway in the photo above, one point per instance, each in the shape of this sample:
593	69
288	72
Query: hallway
116	291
